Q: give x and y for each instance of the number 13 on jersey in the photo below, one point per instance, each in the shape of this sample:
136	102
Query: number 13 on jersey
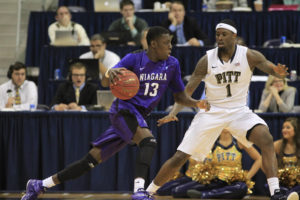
151	89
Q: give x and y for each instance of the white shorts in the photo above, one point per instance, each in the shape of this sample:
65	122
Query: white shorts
207	126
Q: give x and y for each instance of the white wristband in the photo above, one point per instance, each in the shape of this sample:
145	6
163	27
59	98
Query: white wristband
106	74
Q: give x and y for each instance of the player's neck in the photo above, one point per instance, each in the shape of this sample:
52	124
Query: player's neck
226	53
151	55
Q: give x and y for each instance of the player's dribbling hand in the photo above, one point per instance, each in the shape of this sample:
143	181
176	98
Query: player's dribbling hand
166	119
113	74
281	70
203	104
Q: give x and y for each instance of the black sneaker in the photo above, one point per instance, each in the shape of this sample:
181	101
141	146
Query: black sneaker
282	195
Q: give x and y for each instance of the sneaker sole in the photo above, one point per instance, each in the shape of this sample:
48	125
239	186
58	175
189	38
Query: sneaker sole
293	196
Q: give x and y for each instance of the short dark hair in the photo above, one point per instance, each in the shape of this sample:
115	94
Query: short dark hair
61	7
229	22
178	2
155	32
125	3
98	37
77	65
17	66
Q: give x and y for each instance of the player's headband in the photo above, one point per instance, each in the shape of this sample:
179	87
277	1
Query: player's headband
226	26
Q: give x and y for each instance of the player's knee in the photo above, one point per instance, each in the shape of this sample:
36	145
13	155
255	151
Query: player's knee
264	138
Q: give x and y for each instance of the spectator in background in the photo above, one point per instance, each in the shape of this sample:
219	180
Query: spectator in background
129	24
107	59
64	23
277	96
18	93
288	152
184	29
76	94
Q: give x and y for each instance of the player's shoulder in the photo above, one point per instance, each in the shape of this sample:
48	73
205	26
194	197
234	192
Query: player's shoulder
138	51
172	61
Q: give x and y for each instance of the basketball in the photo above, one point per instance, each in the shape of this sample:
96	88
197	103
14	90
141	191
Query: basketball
127	86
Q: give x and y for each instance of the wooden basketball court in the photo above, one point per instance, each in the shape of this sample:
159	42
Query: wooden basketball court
99	196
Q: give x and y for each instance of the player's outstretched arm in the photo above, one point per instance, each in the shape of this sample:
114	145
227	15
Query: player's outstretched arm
256	59
184	98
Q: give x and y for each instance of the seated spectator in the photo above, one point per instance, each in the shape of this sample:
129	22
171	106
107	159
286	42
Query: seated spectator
184	29
129	24
75	94
64	23
288	155
277	96
18	93
213	179
107	59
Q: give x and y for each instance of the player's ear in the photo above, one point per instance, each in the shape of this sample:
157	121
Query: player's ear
153	43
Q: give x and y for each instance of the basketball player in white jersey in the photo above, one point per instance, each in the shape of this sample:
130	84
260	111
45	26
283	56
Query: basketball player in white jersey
227	71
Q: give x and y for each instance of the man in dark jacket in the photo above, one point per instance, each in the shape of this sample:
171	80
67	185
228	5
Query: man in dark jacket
185	29
129	25
76	94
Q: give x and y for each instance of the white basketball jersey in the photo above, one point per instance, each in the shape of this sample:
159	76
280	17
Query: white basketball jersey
227	83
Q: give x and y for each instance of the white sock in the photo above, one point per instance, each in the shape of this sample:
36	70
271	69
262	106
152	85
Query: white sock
273	184
48	182
152	188
138	183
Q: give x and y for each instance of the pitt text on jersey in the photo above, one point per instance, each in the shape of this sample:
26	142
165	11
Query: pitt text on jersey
228	77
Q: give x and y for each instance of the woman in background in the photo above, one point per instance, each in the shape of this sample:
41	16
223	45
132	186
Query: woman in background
277	96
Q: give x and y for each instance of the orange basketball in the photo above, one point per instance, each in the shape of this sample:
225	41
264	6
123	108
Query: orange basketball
127	86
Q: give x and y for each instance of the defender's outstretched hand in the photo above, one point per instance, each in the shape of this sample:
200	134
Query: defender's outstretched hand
281	70
166	119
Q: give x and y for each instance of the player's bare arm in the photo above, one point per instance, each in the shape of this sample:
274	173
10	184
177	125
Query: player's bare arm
182	98
256	59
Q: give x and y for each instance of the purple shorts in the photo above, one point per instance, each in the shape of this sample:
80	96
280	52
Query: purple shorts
124	119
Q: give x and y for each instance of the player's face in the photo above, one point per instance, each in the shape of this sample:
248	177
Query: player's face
127	11
278	83
225	38
288	131
78	76
18	77
163	47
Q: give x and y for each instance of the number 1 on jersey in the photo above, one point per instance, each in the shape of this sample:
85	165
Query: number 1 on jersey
228	90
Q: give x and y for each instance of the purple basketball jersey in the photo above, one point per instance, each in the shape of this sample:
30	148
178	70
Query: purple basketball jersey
154	77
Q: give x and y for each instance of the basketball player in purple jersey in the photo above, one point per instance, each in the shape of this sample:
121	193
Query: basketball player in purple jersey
157	71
